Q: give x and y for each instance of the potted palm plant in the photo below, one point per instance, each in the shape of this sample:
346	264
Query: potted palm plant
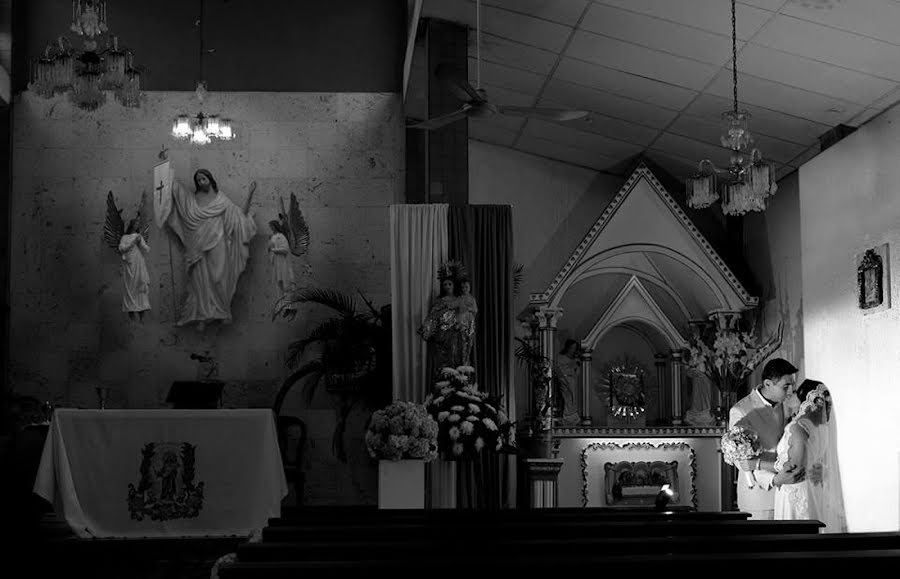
349	353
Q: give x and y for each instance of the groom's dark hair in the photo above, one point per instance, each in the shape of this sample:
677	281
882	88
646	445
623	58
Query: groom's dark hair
776	368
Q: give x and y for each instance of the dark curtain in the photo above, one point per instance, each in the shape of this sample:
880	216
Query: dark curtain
481	236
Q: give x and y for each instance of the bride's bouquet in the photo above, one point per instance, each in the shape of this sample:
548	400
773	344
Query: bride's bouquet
740	443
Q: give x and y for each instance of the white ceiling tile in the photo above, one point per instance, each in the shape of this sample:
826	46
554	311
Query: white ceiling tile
642	61
577	96
514	26
563	11
677	167
811	75
505	77
806	156
624	84
572	137
662	35
783	171
503	96
864	117
690	149
487	131
771	5
888	100
571	155
872	18
763	121
831	45
710	15
609	126
501	122
514	54
708	132
787	99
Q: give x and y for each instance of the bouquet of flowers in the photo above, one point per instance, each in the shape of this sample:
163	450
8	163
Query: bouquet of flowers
402	430
740	443
727	353
468	419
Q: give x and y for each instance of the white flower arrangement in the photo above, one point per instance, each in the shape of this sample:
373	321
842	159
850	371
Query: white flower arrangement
468	419
402	430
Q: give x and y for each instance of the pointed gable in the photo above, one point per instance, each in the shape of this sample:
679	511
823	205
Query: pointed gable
644	218
635	304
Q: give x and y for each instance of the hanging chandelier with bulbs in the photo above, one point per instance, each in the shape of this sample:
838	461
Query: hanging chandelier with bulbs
201	128
86	74
748	181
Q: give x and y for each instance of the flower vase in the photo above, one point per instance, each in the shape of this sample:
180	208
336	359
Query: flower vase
443	484
401	484
727	399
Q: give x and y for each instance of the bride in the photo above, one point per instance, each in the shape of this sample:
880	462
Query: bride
810	442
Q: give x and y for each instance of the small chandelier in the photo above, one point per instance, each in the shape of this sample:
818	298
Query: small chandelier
748	181
201	129
87	74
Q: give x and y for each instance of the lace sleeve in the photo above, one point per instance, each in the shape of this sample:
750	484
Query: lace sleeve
790	448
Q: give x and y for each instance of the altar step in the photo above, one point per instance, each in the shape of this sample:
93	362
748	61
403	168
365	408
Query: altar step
485	528
317	542
443	563
378	549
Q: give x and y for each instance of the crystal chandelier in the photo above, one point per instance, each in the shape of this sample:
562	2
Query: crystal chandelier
748	181
201	129
87	73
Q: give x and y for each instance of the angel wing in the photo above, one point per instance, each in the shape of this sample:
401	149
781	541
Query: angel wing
114	228
295	228
142	219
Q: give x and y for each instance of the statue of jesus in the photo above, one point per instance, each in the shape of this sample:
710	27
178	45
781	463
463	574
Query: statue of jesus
215	234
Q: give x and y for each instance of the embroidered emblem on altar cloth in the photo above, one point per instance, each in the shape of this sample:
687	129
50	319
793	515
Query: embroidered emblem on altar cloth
166	489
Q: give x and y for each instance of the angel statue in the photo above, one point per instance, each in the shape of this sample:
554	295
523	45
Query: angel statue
289	236
131	243
215	234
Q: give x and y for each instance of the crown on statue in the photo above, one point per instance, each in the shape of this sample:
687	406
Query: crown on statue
453	269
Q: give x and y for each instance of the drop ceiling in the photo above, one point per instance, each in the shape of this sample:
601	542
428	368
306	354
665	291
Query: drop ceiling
656	74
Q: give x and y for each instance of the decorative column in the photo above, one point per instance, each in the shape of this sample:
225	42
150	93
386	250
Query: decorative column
548	318
530	330
542	481
586	358
660	363
677	410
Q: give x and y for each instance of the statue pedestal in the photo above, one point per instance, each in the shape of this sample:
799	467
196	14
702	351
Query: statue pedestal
542	481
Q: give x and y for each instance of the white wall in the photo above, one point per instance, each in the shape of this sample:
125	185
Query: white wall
772	252
850	201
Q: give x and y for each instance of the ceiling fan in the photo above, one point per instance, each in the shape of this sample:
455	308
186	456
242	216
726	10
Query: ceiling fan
474	99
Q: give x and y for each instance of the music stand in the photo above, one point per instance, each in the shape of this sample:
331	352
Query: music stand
193	394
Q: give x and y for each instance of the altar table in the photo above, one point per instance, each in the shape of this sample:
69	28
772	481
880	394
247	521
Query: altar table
154	473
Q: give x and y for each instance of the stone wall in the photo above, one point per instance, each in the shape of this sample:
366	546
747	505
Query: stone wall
341	153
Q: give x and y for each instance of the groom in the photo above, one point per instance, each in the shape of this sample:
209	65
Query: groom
763	411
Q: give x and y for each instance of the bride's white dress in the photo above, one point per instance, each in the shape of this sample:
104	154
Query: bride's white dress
820	500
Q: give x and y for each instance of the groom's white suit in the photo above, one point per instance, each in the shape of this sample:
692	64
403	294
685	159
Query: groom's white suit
759	415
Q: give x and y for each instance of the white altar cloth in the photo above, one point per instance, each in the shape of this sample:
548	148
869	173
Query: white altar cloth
153	473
